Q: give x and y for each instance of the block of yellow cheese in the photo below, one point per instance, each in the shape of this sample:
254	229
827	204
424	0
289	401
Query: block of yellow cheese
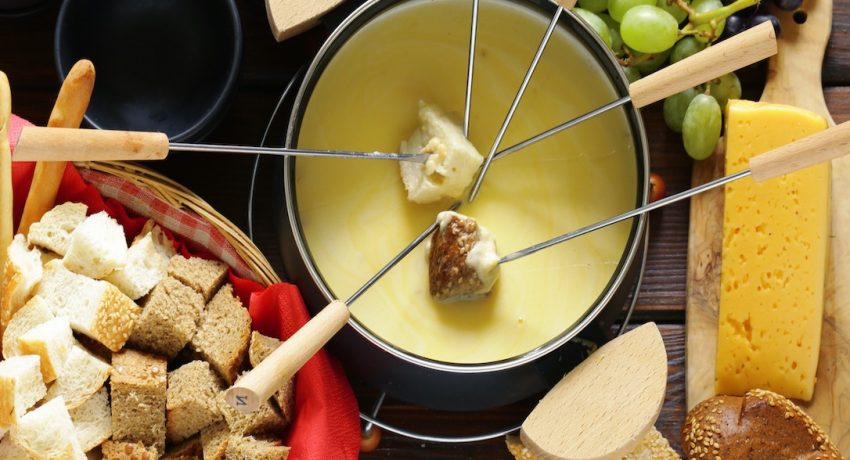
775	238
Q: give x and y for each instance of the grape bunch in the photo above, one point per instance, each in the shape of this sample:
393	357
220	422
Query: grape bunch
646	34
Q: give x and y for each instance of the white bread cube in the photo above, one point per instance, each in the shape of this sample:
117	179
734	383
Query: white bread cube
146	266
93	420
32	314
96	247
51	341
48	433
81	377
95	308
21	386
452	163
10	451
54	229
21	274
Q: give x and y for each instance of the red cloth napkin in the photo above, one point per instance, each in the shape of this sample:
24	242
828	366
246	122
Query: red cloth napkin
326	423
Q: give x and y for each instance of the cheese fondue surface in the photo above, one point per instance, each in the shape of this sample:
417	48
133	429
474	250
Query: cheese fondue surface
354	213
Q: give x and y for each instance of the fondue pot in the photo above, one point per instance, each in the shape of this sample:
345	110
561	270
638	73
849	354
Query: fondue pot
441	384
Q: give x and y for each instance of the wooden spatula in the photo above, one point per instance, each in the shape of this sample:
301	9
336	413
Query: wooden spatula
606	405
291	17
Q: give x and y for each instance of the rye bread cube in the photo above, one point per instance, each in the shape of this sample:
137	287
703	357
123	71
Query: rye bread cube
223	336
189	449
192	404
214	440
204	276
262	346
139	398
123	450
169	319
250	448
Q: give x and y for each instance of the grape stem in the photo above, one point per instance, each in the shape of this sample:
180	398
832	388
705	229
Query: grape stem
711	17
683	5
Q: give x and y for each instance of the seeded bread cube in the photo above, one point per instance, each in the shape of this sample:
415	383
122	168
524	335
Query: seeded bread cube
48	433
34	313
93	420
192	405
144	268
262	346
81	377
189	449
169	319
223	336
96	247
214	440
10	451
94	308
122	450
265	420
21	386
51	341
204	276
53	231
138	398
250	448
21	273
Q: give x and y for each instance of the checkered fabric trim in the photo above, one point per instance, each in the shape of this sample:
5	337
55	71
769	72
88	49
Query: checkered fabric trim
183	223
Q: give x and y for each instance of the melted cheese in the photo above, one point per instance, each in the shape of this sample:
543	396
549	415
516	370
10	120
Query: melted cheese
355	214
774	258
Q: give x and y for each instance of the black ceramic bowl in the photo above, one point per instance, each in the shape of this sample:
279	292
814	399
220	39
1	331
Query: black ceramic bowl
162	65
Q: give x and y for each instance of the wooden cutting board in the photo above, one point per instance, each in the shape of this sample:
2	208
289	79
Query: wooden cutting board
794	78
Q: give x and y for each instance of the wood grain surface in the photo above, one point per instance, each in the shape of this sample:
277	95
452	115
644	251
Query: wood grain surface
26	55
794	78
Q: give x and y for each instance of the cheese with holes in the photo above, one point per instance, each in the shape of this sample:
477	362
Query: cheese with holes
774	258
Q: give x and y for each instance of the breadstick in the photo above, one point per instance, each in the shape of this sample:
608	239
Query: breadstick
67	112
6	203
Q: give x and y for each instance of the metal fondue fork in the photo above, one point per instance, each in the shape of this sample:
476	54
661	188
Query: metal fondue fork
259	384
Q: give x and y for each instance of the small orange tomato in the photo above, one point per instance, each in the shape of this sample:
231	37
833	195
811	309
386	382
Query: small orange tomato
657	187
370	441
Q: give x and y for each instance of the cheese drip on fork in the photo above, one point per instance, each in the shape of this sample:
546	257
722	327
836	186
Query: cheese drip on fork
462	260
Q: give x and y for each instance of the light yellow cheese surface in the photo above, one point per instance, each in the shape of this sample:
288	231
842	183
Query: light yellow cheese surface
355	214
774	258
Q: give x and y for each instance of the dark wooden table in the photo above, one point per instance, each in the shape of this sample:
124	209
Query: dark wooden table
26	55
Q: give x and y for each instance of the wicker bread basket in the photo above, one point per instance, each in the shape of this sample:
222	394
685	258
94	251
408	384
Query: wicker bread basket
184	199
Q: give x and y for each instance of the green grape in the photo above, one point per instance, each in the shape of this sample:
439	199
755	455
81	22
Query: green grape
618	8
594	6
684	48
649	29
649	63
675	107
704	6
614	31
595	23
631	73
673	9
701	126
725	88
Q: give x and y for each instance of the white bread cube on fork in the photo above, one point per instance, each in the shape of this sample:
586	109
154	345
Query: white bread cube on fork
94	308
48	433
53	231
32	314
51	341
21	273
21	386
96	247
